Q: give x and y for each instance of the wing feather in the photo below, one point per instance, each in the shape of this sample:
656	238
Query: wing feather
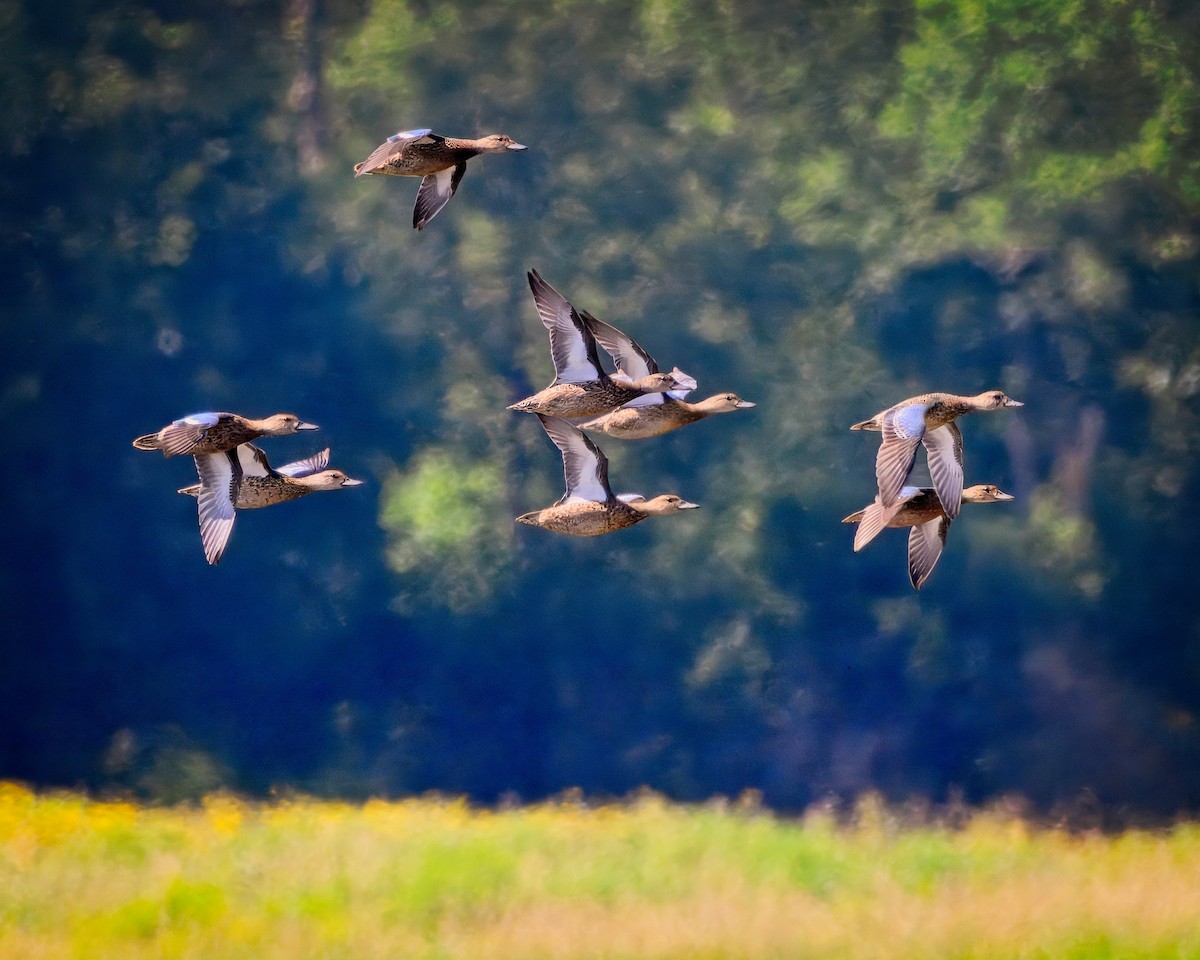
585	468
252	461
627	354
925	543
874	517
306	467
944	451
184	433
391	147
435	192
219	475
902	430
572	346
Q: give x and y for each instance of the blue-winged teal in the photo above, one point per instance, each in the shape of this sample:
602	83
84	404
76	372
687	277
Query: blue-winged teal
921	420
589	508
210	432
581	388
920	509
439	161
662	413
243	479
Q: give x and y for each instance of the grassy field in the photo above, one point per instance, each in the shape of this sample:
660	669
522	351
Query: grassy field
644	879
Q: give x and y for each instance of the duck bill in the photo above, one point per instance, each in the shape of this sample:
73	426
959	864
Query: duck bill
307	426
688	505
348	482
1010	402
1001	496
517	146
745	404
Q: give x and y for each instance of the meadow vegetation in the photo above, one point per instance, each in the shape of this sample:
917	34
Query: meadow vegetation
439	878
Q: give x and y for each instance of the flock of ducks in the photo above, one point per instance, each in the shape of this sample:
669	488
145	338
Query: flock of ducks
635	401
646	401
235	473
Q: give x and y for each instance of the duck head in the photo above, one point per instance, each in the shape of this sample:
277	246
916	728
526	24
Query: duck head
281	424
661	505
995	399
499	143
985	493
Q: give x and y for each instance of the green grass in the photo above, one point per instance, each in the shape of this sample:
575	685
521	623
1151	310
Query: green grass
644	879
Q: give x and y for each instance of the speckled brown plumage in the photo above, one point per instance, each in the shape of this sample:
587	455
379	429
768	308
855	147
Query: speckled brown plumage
573	400
921	509
588	508
243	479
655	418
216	432
585	518
439	161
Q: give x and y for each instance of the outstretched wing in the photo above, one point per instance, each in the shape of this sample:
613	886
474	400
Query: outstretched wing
627	354
394	146
572	346
307	467
585	468
944	451
871	521
252	461
902	431
219	475
925	543
631	359
436	191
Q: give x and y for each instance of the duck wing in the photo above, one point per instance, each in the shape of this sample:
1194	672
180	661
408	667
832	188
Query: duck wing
252	461
393	147
872	518
306	467
585	467
435	192
627	354
572	346
181	435
902	430
925	543
220	474
944	451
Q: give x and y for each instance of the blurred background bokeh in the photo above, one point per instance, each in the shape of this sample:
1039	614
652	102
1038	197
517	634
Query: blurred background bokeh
823	206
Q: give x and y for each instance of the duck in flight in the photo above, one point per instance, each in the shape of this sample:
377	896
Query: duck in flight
214	432
439	161
589	508
243	479
922	511
581	387
928	420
